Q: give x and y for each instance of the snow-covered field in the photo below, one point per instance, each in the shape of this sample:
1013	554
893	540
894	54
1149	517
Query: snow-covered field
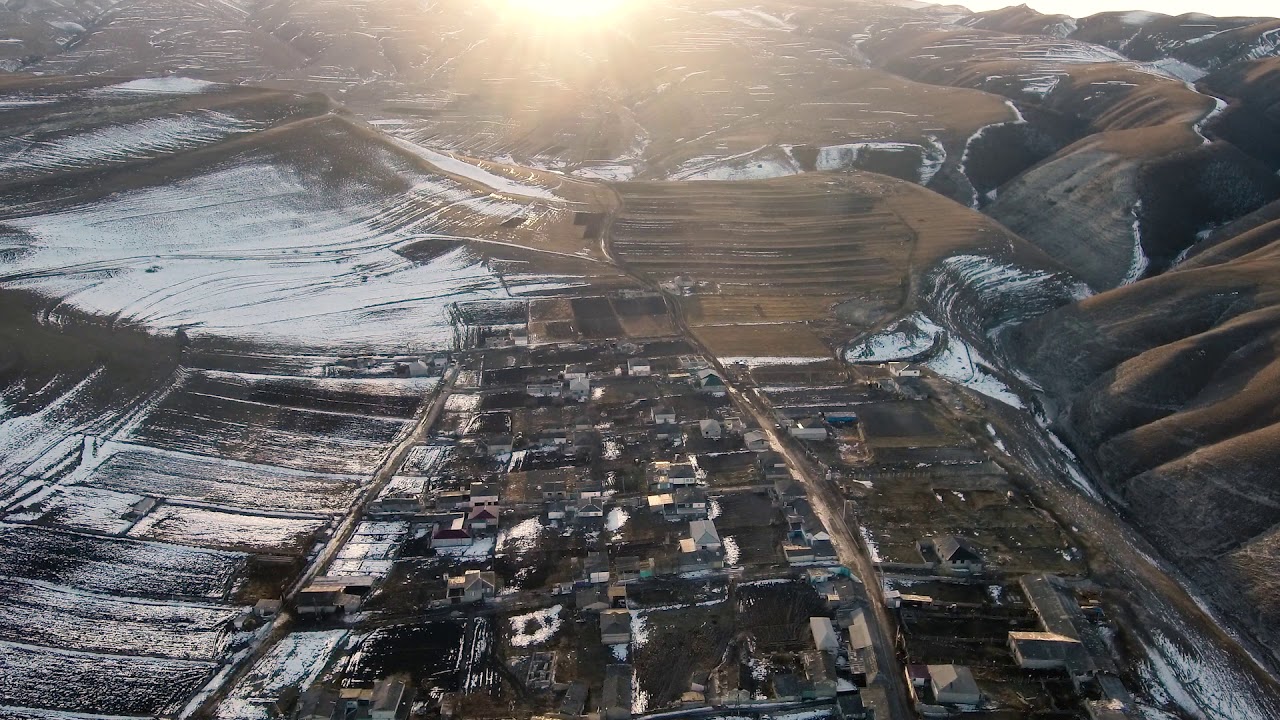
294	663
116	565
81	508
54	615
22	157
141	470
257	250
204	527
38	677
371	550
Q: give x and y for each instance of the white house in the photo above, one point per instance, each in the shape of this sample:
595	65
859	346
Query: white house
453	533
809	428
639	367
824	634
704	535
484	494
710	429
544	390
901	369
953	685
756	440
578	389
663	415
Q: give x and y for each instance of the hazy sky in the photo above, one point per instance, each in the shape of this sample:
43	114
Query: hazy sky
1082	8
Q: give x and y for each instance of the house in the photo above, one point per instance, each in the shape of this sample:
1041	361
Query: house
955	555
575	700
680	503
575	372
901	369
849	706
615	696
582	442
772	466
416	369
396	503
1061	615
451	500
953	685
556	510
639	367
471	587
756	440
482	520
589	489
704	535
786	491
808	428
324	599
595	568
354	702
630	568
267	608
140	508
496	445
1049	651
544	390
824	634
578	389
453	533
555	490
820	668
615	627
317	703
693	559
484	494
663	415
710	429
592	600
392	699
591	507
681	474
667	432
709	381
838	417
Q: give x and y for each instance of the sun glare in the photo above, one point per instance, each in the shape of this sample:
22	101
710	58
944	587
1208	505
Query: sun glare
567	9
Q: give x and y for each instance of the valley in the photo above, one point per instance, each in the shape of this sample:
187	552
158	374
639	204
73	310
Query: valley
805	359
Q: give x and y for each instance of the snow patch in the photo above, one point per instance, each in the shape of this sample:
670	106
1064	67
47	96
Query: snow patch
537	627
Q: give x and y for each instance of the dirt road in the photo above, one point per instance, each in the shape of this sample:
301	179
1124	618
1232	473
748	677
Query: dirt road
826	502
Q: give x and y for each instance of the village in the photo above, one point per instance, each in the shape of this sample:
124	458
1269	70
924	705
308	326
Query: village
620	526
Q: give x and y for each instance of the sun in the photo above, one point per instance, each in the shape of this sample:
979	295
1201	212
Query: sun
567	9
